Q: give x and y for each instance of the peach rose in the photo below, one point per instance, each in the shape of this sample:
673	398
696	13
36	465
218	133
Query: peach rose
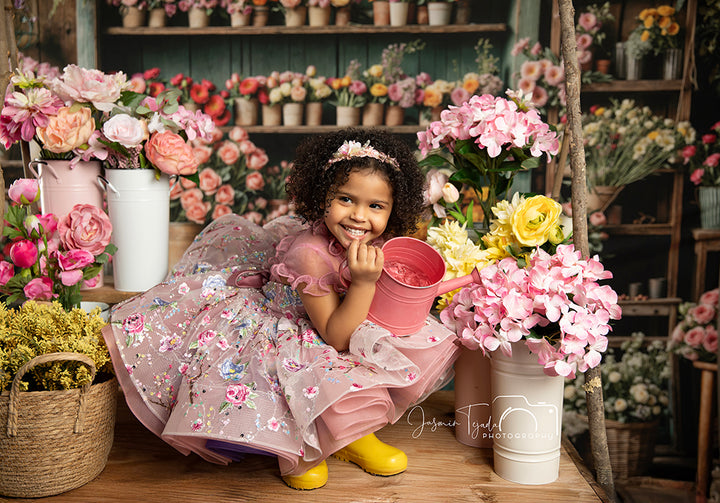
254	181
187	184
67	130
202	153
221	210
257	159
225	194
247	147
169	153
197	212
229	152
238	134
190	198
175	190
209	181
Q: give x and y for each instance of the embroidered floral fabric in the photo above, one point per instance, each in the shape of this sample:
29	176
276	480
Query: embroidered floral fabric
220	370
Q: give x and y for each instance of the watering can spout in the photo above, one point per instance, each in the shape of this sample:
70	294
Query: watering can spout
455	283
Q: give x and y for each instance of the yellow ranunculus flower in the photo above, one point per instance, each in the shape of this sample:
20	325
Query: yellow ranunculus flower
645	36
664	22
346	81
666	10
432	97
652	135
471	85
649	22
378	90
600	111
375	71
495	246
673	29
535	219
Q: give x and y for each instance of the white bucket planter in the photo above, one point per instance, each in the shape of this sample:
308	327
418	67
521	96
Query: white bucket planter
139	210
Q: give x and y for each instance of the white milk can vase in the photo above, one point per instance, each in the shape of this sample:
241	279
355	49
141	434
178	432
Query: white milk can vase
139	210
526	418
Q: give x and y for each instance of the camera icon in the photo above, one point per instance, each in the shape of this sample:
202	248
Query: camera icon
518	414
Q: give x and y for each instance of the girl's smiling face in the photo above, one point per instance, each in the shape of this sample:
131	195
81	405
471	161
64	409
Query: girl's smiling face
360	209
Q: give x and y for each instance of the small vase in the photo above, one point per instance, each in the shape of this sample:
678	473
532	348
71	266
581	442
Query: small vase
157	18
246	111
620	65
462	12
348	116
633	68
439	13
373	114
381	13
422	16
319	16
398	13
603	66
261	13
198	18
342	16
600	197
394	115
473	398
296	16
527	408
313	113
672	64
133	17
709	200
240	18
272	115
292	114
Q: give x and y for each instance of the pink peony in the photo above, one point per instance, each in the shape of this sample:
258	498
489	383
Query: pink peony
169	153
75	259
697	175
710	343
702	313
134	324
24	191
710	297
24	253
126	130
695	336
89	86
87	228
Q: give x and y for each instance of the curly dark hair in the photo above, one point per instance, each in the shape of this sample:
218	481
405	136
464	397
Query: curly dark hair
311	182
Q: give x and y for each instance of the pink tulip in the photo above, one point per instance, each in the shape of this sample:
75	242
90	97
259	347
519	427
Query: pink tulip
39	289
24	191
24	253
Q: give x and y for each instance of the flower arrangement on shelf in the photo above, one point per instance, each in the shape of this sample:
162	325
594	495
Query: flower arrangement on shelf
284	5
147	82
485	79
34	329
657	31
590	29
269	92
234	177
292	87
635	381
486	142
376	84
316	86
402	92
50	259
349	90
703	158
695	337
207	5
625	143
237	6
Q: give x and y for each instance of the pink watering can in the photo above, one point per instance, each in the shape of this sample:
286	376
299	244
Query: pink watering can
399	306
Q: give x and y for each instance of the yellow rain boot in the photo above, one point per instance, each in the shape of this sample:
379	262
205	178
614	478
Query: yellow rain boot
314	478
374	456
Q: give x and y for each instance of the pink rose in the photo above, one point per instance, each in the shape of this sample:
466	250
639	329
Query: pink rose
238	134
87	228
190	198
134	324
197	212
709	139
236	394
126	130
712	160
67	130
137	84
696	176
254	181
209	181
597	218
695	336
75	259
225	194
187	184
688	152
93	282
7	271
176	190
247	147
702	313
710	297
169	153
678	334
221	210
257	159
24	191
39	289
711	340
229	152
202	153
24	253
49	222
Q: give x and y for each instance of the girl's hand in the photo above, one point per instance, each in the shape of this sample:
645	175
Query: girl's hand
365	262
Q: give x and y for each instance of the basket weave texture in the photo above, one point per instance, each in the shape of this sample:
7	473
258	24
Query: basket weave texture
631	447
54	441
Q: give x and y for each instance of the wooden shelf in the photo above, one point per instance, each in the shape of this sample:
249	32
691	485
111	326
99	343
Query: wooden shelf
633	86
639	229
650	307
308	30
408	129
106	293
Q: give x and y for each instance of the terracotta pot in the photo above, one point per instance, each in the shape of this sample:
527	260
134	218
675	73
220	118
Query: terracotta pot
462	12
319	16
198	18
293	114
133	17
342	16
373	114
381	13
240	19
261	13
603	66
246	111
422	14
295	16
394	115
313	113
272	115
348	116
157	18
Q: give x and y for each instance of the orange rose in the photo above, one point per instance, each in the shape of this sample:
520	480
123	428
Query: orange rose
471	85
432	97
67	130
673	29
257	159
378	90
666	10
169	153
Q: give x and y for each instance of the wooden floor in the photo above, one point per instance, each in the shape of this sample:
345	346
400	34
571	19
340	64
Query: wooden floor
142	468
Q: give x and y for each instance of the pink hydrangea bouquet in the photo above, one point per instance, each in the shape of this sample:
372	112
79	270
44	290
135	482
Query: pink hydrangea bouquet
485	142
695	337
555	306
49	259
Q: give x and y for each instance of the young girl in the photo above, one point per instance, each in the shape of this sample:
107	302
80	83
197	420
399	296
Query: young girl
257	341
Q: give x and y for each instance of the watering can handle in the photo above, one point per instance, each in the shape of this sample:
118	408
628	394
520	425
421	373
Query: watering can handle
38	162
106	185
455	283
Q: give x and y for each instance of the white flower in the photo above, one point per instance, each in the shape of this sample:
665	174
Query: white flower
639	393
620	405
614	376
127	131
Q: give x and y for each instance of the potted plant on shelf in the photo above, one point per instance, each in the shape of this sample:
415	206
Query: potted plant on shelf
349	95
703	160
58	396
657	33
695	337
590	32
132	12
635	381
318	92
240	11
199	11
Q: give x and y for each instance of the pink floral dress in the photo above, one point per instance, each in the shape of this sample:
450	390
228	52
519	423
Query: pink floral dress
221	359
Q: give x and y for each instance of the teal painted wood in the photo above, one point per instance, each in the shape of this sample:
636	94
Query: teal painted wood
85	16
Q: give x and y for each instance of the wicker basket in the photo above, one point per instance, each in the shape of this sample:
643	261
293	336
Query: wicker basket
54	441
631	447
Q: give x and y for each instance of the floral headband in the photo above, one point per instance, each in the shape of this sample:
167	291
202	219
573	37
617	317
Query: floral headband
351	149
